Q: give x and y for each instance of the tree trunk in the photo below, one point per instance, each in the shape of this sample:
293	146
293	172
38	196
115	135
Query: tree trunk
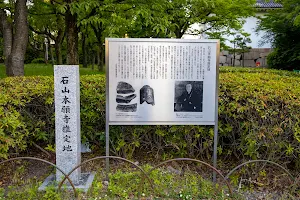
180	29
98	59
46	56
6	29
101	58
93	60
233	54
58	54
72	37
84	51
15	63
88	56
100	51
59	40
51	51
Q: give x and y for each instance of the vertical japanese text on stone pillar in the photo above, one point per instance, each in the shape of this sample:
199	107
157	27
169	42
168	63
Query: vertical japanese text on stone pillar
67	120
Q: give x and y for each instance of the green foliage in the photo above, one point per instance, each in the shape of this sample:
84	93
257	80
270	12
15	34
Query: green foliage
240	41
30	191
97	20
27	115
275	59
261	109
259	118
168	185
38	60
32	54
282	29
2	71
47	23
125	184
1	50
174	18
45	70
17	124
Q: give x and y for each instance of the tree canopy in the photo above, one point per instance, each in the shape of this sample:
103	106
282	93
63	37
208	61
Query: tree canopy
173	18
282	29
90	21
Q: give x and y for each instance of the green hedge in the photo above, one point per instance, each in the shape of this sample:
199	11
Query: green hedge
259	112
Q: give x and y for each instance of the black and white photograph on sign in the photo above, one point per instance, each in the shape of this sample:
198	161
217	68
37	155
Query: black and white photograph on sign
147	95
188	96
127	108
124	88
125	97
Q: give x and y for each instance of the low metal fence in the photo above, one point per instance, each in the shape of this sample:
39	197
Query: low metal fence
145	175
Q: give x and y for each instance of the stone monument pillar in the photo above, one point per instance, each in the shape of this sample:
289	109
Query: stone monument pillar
67	120
67	129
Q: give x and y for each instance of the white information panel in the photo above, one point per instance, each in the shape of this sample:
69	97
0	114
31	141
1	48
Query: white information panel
162	81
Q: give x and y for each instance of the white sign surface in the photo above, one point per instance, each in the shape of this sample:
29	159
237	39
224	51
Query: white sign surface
162	81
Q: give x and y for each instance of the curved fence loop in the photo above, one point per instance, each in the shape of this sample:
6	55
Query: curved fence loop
47	162
254	161
111	157
198	161
146	175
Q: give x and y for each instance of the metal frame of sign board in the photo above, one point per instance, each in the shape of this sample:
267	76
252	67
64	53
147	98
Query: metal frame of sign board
215	123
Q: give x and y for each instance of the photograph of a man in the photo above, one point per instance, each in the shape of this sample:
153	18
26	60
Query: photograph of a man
188	96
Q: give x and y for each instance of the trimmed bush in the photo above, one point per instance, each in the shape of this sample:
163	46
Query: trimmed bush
259	112
38	61
27	111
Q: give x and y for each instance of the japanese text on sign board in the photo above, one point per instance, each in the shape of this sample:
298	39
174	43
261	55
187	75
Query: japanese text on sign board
177	62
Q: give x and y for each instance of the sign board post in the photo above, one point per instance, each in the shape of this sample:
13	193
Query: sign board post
162	82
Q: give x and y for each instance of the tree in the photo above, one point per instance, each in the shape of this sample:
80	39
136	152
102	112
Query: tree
173	18
107	19
151	21
239	41
46	20
282	29
14	28
65	11
101	16
215	14
72	34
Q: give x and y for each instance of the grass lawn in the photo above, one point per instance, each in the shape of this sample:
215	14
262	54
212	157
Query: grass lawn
45	70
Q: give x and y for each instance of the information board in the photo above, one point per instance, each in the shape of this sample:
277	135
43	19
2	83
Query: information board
162	81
